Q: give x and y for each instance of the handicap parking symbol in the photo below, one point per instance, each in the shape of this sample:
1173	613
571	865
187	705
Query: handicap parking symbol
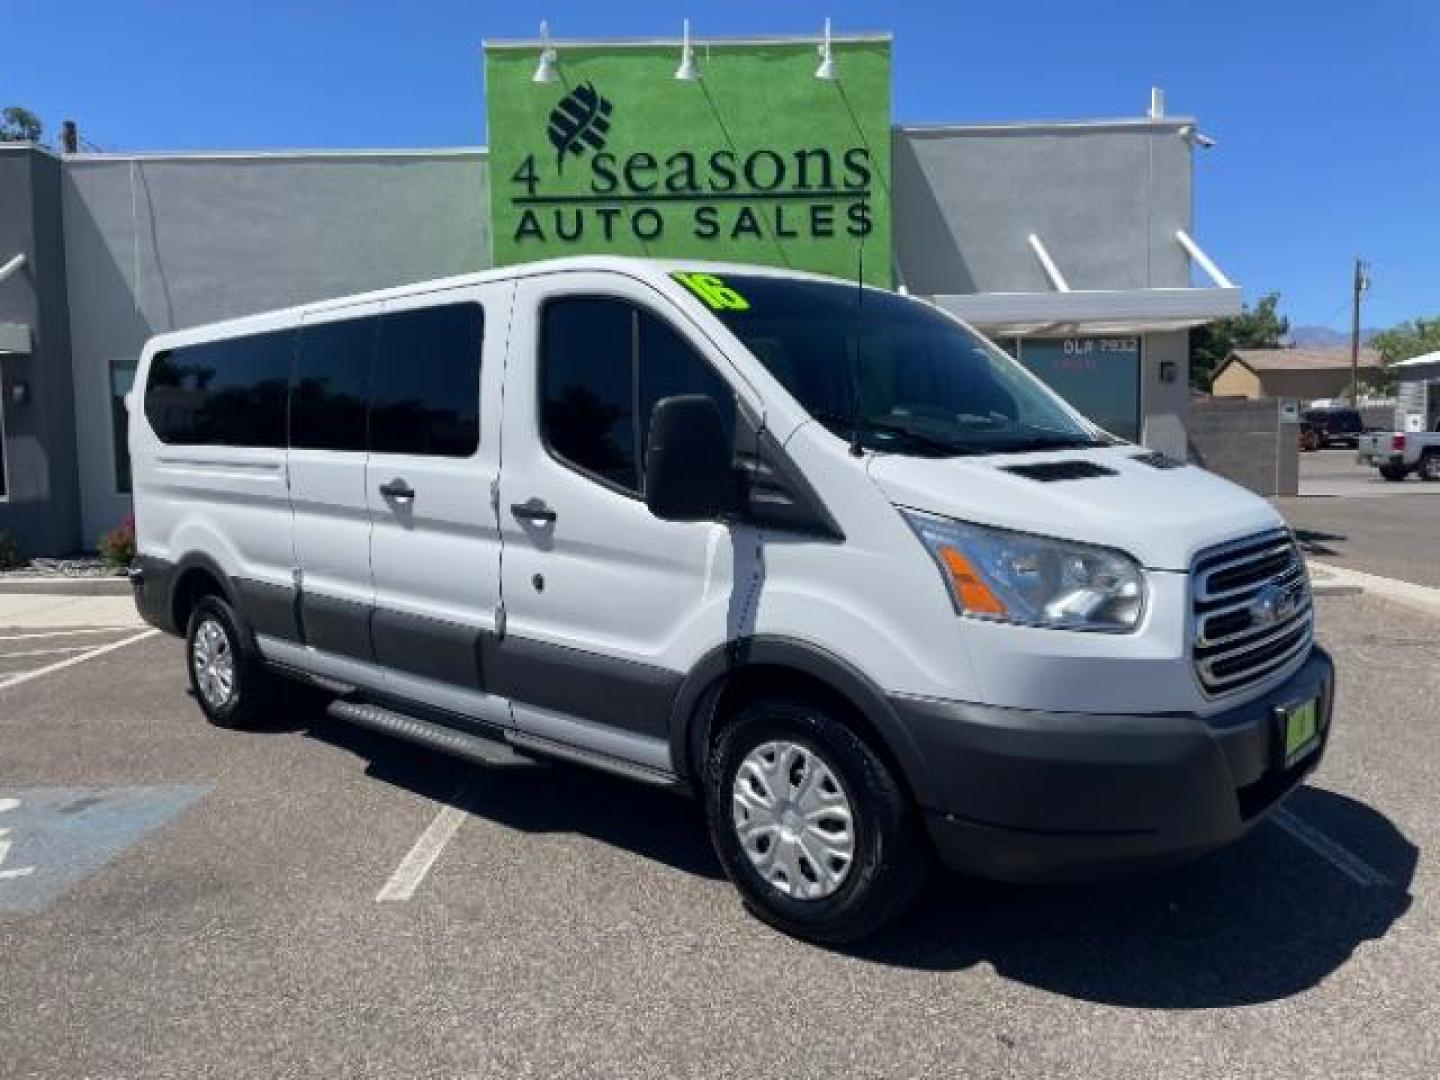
53	838
7	873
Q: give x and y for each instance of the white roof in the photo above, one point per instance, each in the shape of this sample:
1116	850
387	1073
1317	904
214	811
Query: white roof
1417	361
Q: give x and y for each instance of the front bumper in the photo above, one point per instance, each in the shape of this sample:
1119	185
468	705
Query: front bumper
1029	796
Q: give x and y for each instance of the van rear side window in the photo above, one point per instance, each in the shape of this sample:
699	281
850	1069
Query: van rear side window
222	393
406	382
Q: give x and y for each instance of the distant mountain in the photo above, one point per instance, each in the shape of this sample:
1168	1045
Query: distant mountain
1323	337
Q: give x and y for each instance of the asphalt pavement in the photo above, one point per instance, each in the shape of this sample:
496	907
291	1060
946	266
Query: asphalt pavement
1346	515
312	899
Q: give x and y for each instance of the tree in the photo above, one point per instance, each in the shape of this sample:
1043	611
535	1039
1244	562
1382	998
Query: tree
1414	338
19	124
1260	327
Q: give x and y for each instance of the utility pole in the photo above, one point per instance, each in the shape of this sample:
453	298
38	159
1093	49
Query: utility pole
1361	283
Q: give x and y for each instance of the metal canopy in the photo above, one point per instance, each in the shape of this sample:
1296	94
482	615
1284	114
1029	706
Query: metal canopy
1098	311
1093	311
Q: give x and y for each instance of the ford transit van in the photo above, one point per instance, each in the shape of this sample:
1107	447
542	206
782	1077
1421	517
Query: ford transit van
820	554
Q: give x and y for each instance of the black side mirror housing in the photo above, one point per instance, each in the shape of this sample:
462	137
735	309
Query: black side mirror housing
688	470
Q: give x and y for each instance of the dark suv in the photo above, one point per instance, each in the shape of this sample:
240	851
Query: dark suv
1335	427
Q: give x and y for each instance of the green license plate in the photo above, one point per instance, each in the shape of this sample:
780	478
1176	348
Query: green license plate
1302	730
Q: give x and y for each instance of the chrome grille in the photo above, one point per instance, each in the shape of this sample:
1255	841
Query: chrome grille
1251	608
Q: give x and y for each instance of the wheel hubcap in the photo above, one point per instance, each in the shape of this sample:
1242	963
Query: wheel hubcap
214	664
794	820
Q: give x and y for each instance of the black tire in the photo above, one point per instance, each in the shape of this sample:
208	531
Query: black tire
243	704
890	860
1393	472
1429	468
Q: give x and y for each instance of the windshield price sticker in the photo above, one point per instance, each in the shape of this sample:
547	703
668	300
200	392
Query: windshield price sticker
713	291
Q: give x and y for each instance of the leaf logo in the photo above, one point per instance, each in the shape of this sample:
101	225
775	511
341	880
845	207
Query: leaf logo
581	119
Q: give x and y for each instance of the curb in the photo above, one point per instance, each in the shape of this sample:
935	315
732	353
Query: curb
63	586
1337	580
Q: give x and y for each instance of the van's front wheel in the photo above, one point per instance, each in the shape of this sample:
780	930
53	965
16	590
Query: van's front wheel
810	823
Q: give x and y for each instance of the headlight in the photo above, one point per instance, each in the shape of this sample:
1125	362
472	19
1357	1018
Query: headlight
1032	580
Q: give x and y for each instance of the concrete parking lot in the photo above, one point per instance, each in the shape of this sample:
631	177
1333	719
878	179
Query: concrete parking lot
311	899
1347	516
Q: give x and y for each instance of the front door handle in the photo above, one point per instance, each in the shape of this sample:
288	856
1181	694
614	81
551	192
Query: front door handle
533	510
398	490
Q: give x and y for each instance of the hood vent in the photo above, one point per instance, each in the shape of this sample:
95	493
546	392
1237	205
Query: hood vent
1048	471
1157	460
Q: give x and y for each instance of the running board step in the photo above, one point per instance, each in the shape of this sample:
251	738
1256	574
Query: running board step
447	740
544	747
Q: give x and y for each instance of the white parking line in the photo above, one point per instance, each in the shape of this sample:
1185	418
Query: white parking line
1344	860
418	860
59	665
42	652
62	634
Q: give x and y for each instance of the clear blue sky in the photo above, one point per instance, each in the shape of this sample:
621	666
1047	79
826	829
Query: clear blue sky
1327	114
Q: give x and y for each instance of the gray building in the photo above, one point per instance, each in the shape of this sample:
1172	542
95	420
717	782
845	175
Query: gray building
1069	243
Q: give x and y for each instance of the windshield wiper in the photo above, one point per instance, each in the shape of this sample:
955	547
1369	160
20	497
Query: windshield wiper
1052	442
856	425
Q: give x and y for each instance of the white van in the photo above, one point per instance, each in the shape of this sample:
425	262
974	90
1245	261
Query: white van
821	554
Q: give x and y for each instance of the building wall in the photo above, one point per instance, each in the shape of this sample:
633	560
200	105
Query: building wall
1237	381
41	504
1166	405
1245	441
1105	199
157	244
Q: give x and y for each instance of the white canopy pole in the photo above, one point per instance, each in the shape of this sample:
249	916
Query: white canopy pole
1195	252
1057	279
10	267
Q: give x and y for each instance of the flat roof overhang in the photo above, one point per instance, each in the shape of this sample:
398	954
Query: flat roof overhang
1092	311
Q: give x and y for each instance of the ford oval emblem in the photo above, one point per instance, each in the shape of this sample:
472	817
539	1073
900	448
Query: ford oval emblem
1272	604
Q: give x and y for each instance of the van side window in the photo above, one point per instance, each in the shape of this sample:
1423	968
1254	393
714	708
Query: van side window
222	393
426	393
604	363
331	391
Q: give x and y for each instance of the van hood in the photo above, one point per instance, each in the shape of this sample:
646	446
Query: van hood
1157	510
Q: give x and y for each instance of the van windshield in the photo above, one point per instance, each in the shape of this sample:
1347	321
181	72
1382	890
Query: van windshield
890	373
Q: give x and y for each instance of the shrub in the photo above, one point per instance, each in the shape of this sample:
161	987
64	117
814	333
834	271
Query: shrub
10	556
117	547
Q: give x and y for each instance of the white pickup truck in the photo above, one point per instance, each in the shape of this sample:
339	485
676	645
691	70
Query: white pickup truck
1399	453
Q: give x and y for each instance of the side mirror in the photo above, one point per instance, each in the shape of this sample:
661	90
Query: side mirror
688	473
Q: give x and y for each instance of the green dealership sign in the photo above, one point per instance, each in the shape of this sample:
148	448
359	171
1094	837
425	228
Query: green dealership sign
757	161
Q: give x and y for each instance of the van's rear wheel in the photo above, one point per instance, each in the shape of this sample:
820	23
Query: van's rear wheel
1430	466
810	823
227	680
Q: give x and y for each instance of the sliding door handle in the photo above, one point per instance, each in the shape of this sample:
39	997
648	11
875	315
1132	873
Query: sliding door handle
398	490
533	510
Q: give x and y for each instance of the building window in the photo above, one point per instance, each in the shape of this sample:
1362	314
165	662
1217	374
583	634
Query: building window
1099	376
122	378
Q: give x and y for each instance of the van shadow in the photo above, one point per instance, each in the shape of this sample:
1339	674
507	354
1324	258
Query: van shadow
1261	920
1318	542
539	797
1258	921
